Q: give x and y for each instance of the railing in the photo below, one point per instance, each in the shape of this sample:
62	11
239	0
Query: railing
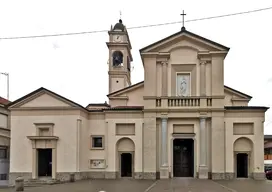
158	102
209	102
184	102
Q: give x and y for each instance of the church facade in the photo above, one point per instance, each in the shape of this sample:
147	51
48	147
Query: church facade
181	121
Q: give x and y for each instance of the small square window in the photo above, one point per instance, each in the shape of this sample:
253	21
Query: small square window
3	177
97	142
3	153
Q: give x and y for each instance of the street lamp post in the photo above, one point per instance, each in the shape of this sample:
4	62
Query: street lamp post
7	75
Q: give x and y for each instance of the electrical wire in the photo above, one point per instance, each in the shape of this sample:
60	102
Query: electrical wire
136	27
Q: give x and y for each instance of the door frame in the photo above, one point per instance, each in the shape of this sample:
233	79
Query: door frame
183	136
132	163
43	143
38	150
248	163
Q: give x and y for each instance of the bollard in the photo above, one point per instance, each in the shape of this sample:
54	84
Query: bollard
72	177
19	184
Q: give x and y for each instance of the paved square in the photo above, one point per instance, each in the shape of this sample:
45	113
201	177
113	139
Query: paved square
187	185
248	185
122	185
171	185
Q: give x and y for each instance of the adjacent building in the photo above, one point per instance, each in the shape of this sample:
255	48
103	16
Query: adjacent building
4	142
268	147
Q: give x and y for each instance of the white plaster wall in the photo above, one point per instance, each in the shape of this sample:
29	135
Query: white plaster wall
112	140
257	140
97	126
21	152
84	148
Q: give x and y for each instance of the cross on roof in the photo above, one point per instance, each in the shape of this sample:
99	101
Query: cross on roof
120	15
183	14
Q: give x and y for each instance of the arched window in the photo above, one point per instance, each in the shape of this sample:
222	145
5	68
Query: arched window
117	58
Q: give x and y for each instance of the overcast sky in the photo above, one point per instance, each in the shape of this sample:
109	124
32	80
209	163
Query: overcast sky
76	66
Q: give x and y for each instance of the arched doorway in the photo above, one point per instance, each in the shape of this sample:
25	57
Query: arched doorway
242	157
125	157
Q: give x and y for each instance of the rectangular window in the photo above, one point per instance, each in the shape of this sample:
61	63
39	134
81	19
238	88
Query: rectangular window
97	142
183	85
3	176
268	151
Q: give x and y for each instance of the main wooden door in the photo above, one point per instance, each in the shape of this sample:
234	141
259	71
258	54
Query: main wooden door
183	157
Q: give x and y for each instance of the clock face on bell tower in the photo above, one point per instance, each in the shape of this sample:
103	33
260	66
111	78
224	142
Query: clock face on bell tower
117	38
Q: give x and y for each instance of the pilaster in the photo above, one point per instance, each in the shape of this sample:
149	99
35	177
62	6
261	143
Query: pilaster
149	146
203	168
218	145
202	78
164	170
164	78
34	163
217	74
54	163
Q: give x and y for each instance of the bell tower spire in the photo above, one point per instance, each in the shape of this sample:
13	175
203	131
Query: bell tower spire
120	57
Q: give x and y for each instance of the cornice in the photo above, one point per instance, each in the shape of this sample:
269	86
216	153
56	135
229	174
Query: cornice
191	97
157	54
4	129
168	110
47	109
239	99
118	98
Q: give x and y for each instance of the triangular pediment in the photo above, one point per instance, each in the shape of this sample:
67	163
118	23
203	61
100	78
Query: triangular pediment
235	94
43	98
184	38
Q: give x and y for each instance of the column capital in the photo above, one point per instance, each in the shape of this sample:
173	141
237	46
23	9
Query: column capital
164	62
204	62
164	117
203	117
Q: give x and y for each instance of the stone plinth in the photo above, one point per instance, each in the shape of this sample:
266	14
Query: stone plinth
203	172
19	184
164	172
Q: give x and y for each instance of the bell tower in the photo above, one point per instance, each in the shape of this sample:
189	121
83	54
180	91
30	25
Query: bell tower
120	58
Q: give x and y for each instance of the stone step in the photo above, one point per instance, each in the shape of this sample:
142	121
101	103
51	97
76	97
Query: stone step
39	182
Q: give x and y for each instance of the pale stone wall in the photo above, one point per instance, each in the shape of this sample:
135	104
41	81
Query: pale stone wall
105	125
85	144
23	126
256	168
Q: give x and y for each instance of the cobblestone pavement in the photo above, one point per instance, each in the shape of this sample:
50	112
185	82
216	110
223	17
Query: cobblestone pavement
171	185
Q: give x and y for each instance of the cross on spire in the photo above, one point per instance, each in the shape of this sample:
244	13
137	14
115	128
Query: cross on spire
120	14
183	14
